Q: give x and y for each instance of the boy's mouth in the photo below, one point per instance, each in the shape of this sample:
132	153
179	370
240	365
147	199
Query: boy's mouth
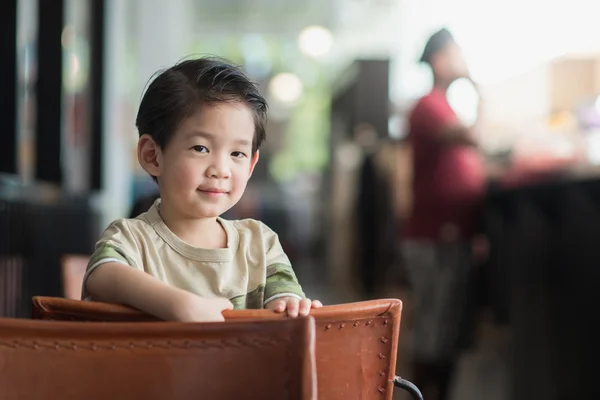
212	191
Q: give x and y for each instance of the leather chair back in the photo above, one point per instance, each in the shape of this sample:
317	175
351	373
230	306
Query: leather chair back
63	309
157	360
356	343
356	347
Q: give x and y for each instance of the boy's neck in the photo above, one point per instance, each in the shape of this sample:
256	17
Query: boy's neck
205	233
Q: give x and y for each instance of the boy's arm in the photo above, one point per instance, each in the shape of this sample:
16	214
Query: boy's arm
282	282
282	290
115	274
115	282
284	293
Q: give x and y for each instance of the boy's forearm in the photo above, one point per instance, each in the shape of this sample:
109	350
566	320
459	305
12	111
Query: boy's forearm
117	283
273	291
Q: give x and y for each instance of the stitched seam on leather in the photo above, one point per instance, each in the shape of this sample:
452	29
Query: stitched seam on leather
185	344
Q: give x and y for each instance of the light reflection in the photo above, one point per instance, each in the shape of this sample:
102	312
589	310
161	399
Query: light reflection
315	41
286	87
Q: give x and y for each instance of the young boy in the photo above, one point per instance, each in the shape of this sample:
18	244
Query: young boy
201	123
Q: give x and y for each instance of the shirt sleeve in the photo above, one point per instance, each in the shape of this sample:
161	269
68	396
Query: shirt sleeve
117	244
281	280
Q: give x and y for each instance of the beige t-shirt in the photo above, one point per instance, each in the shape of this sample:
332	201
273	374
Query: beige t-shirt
250	272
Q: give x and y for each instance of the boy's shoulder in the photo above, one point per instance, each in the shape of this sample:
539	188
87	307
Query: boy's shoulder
257	238
130	226
250	226
247	224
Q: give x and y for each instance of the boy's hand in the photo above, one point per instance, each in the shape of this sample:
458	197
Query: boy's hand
202	309
293	306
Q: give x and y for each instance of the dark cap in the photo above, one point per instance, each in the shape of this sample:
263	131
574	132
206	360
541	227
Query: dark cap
436	42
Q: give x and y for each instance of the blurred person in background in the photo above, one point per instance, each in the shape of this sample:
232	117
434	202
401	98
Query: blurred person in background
440	234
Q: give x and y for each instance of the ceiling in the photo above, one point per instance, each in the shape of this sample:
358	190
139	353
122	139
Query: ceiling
262	16
281	16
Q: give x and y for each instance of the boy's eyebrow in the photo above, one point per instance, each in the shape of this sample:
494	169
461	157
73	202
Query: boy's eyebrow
202	134
209	136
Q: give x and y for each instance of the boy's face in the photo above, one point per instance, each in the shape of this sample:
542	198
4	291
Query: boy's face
203	170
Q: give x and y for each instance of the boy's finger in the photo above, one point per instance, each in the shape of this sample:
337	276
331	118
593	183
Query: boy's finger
316	304
292	307
280	306
304	307
276	305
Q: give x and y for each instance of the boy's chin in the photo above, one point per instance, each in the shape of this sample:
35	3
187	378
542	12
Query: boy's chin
208	212
203	209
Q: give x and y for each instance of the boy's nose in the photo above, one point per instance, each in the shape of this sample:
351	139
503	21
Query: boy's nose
219	170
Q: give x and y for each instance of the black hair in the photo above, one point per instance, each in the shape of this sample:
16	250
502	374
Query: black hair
438	41
177	92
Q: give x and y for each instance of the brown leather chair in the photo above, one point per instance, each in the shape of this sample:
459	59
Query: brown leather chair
62	309
157	360
356	343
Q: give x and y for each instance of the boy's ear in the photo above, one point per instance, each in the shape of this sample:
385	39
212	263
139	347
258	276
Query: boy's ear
253	163
149	155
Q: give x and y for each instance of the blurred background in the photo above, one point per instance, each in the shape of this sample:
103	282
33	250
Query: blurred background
334	178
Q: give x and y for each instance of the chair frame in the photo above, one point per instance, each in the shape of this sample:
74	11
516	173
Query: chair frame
78	344
329	320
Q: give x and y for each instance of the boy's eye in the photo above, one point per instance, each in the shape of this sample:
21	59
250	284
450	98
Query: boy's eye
200	149
238	154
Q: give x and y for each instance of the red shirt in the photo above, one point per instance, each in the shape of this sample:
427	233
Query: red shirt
448	180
